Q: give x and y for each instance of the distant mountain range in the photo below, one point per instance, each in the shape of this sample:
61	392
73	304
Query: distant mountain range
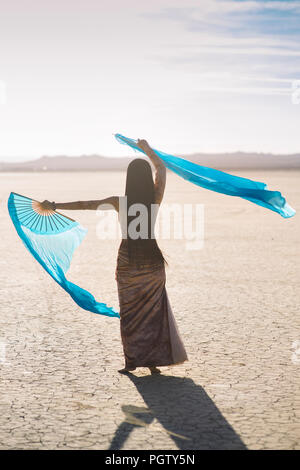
236	160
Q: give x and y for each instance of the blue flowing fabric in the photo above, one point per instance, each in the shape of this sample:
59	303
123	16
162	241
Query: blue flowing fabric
221	182
52	239
52	244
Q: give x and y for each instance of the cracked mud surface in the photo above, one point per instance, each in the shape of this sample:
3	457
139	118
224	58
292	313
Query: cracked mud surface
236	303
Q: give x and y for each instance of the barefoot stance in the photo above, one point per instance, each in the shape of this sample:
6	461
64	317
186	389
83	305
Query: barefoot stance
126	370
154	370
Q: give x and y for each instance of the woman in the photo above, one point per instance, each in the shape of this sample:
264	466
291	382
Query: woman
148	329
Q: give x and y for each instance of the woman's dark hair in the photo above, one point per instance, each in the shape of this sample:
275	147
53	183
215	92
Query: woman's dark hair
141	242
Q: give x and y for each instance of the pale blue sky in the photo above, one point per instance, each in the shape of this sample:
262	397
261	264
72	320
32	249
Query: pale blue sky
189	76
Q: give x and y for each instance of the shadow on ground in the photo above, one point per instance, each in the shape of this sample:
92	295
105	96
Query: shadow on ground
184	410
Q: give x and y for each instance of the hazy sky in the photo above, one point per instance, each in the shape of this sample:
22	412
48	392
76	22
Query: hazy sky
189	76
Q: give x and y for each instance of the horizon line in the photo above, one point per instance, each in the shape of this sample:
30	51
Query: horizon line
25	158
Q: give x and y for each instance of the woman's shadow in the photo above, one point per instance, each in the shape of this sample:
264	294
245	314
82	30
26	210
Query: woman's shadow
184	410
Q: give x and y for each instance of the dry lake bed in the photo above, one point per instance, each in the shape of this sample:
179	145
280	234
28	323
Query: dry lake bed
236	302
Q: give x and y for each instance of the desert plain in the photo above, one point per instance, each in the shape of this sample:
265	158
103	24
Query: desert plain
236	302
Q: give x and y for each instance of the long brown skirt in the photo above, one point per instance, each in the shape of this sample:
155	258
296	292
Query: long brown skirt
148	329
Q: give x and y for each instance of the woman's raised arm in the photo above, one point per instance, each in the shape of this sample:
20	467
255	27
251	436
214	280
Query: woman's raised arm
160	170
103	204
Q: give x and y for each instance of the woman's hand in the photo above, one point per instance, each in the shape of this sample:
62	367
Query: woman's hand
48	205
143	145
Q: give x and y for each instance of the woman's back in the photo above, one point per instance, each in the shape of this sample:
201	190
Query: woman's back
138	212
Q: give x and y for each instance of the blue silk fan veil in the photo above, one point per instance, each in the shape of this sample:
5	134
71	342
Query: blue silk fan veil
52	238
221	182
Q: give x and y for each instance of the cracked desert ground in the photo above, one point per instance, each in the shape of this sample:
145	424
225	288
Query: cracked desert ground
236	302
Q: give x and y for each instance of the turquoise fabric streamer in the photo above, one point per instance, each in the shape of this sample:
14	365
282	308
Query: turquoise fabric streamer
52	241
221	182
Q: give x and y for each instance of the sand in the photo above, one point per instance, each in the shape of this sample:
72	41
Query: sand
236	302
